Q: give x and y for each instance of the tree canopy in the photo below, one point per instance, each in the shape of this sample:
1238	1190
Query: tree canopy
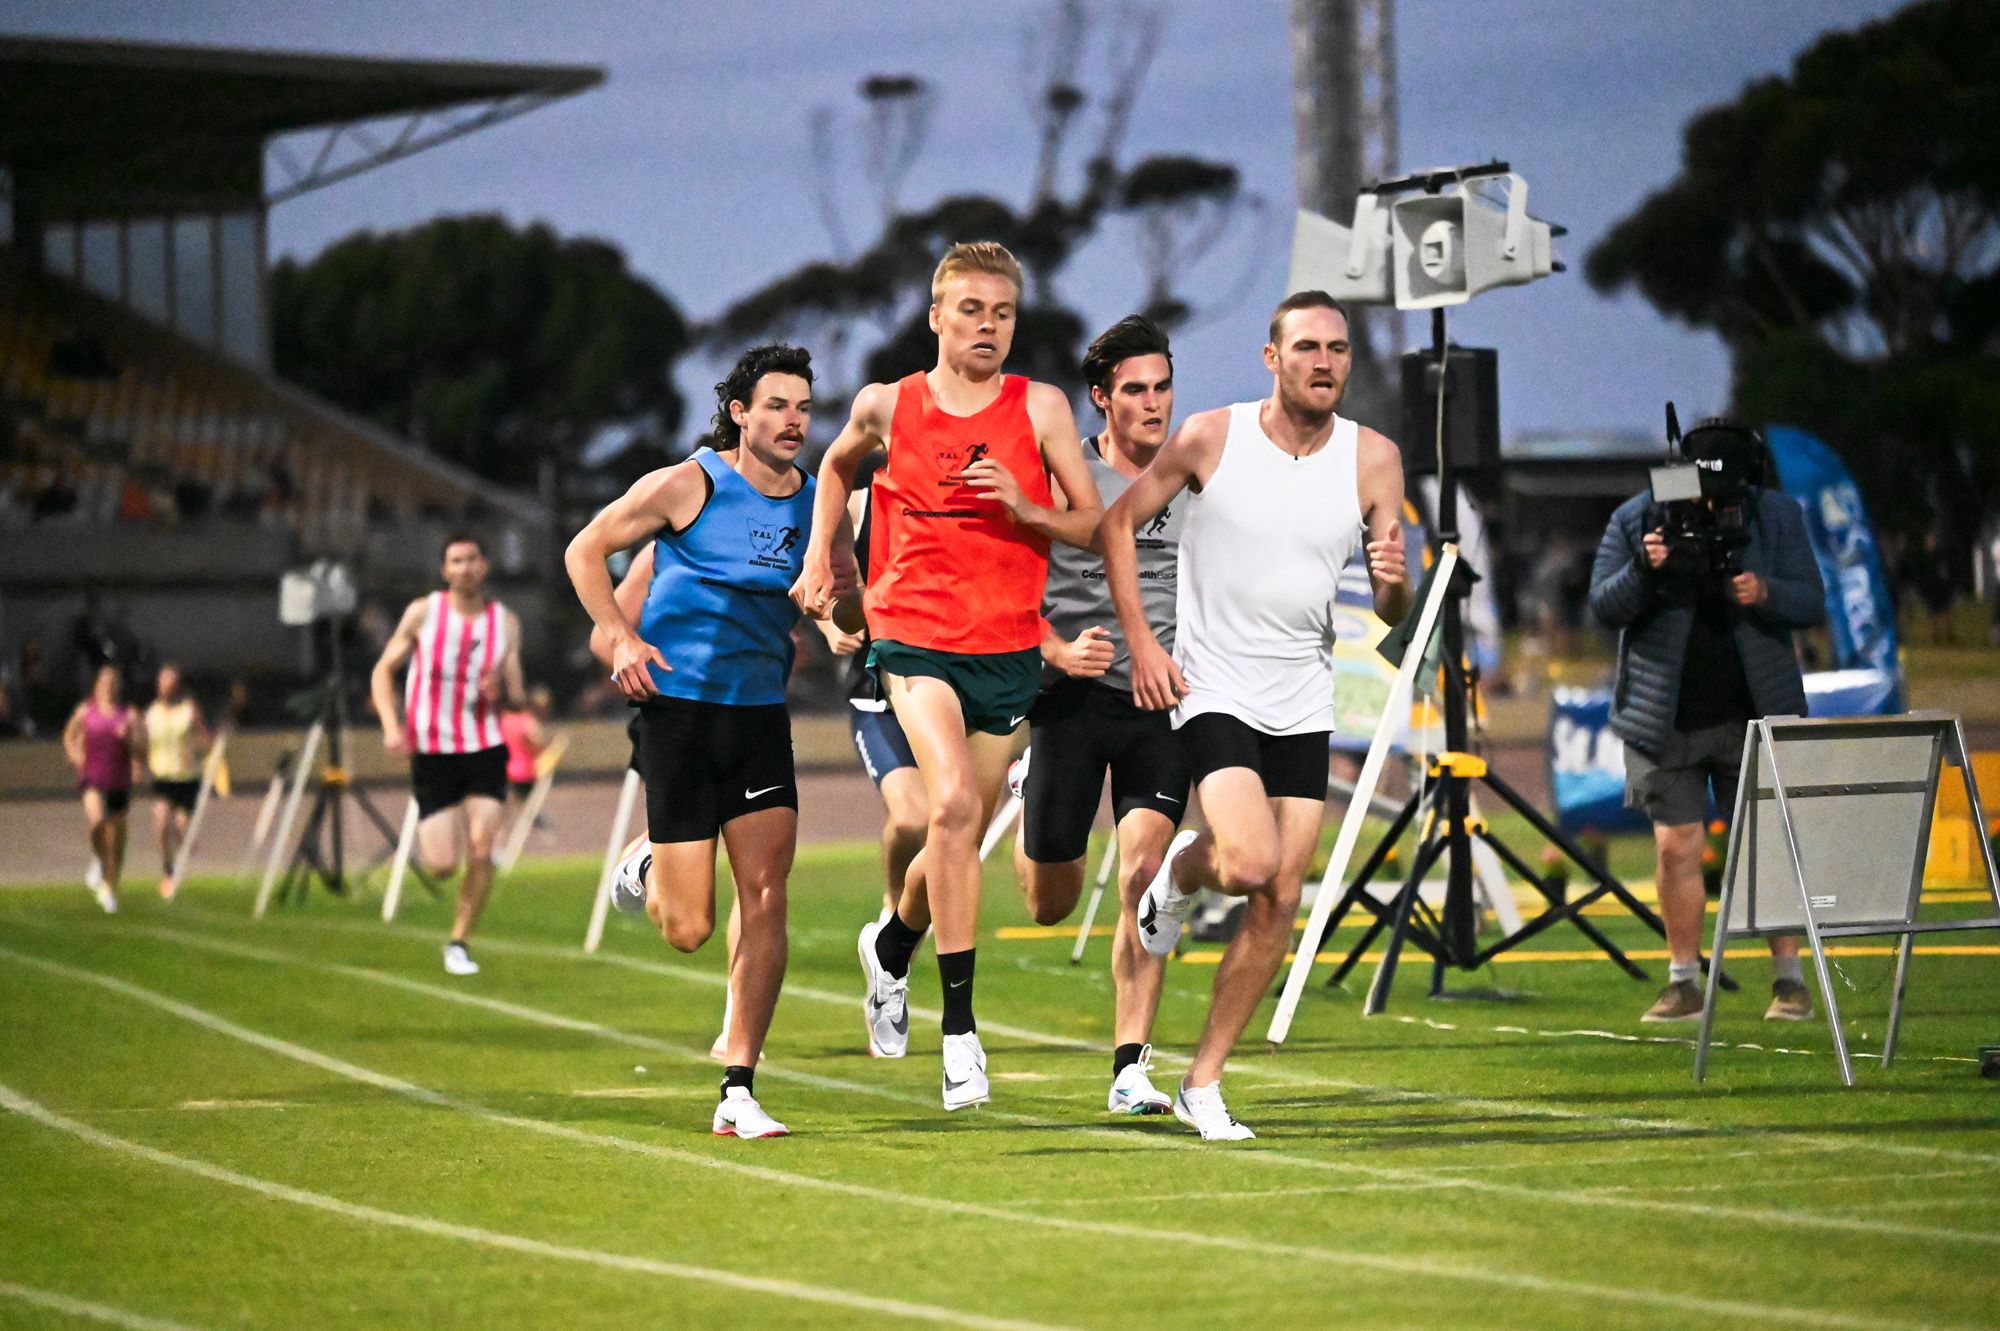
1839	227
495	346
865	308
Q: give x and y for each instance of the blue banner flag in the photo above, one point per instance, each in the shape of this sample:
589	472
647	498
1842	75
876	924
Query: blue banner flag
1859	614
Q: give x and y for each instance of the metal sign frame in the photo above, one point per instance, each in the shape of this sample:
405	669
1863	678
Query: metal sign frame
1817	912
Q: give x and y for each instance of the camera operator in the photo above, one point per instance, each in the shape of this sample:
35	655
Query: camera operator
1705	594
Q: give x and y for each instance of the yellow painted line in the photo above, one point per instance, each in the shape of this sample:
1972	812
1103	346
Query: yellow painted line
1029	933
1210	956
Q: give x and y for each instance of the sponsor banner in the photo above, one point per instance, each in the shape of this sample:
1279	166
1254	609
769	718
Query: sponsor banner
1587	765
1860	617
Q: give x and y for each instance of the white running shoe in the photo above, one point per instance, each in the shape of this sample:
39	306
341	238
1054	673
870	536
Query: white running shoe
964	1072
457	961
1201	1108
1163	908
885	1010
93	877
628	880
106	898
1133	1091
739	1115
1017	772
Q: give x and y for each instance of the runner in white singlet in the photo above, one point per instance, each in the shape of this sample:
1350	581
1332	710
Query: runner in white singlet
1281	491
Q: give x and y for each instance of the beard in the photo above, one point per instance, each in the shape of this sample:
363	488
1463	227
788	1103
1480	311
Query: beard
1304	401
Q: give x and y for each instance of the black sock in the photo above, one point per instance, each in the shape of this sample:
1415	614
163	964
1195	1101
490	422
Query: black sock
955	972
895	944
738	1076
1124	1056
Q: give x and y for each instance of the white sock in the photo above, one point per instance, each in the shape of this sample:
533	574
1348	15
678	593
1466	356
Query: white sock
1791	968
1682	971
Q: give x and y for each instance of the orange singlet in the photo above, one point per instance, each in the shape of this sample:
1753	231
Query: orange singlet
952	572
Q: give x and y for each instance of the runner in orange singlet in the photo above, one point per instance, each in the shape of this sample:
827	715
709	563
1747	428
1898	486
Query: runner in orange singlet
963	514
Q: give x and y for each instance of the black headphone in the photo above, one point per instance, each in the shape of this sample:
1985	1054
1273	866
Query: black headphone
1736	446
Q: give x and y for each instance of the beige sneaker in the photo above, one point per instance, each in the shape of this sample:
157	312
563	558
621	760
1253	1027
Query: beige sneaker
1790	1001
1680	1001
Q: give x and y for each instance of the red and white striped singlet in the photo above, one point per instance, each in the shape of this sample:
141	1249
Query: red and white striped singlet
442	704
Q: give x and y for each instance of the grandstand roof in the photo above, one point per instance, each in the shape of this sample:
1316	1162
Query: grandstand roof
60	94
67	102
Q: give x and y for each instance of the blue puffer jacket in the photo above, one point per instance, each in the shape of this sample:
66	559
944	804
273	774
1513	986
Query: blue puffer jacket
1653	618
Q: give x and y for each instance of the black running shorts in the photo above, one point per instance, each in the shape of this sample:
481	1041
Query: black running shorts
879	739
1292	766
1077	729
178	794
706	763
443	781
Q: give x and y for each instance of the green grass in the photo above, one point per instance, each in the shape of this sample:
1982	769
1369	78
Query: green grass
304	1122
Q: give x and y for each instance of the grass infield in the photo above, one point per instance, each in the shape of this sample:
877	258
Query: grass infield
212	1123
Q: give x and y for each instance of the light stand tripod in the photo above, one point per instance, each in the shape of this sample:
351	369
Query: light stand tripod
321	850
1448	936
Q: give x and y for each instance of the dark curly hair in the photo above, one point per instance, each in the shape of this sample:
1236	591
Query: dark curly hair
1134	335
741	384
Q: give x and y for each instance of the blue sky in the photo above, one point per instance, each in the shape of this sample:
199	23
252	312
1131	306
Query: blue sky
694	156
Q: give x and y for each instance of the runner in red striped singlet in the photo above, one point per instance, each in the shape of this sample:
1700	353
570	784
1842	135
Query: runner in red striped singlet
464	654
963	515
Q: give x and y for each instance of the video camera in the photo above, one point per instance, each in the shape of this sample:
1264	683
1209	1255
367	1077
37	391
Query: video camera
1702	496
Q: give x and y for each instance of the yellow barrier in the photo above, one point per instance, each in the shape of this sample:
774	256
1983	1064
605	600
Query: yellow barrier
1954	854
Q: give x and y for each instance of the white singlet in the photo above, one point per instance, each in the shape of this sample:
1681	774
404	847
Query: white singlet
443	705
1260	558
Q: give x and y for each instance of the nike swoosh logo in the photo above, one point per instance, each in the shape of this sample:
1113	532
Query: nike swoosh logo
951	1085
960	984
1152	914
1015	721
1163	795
753	794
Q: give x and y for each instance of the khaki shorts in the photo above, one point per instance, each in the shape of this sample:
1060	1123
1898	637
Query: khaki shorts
1671	787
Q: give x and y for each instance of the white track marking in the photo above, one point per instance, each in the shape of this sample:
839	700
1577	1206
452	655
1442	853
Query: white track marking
1238	1066
1416	1179
95	1312
1401	1266
445	1229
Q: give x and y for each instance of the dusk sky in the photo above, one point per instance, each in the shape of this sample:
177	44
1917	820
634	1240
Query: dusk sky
694	156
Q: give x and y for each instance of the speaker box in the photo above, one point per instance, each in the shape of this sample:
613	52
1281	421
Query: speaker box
1471	411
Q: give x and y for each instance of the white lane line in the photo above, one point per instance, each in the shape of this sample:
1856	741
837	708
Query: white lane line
95	1312
1415	1179
1155	1237
1260	1067
11	1099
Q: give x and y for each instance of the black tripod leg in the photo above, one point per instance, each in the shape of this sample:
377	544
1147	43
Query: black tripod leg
394	835
1406	901
1576	854
1559	910
1357	892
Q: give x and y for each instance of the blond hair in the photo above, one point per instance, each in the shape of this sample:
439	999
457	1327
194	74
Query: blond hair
975	256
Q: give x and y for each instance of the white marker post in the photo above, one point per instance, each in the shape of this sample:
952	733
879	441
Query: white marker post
282	837
406	844
209	769
627	797
1364	788
1096	896
266	812
1008	814
531	807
